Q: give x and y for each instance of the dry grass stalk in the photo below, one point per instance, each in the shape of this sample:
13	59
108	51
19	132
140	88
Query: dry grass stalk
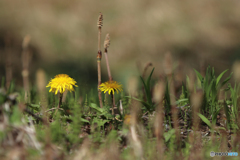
134	138
223	120
196	101
236	74
236	71
99	57
26	58
135	108
132	86
168	64
168	69
158	95
191	81
106	45
8	64
41	85
99	25
195	136
83	152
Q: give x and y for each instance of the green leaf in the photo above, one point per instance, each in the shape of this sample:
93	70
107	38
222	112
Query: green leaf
200	77
148	106
214	118
182	100
185	91
84	120
147	88
16	116
204	119
149	78
227	112
226	80
94	106
222	128
100	122
168	135
206	80
220	76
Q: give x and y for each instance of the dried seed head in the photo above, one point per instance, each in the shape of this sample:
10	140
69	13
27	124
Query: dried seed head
26	41
107	41
100	20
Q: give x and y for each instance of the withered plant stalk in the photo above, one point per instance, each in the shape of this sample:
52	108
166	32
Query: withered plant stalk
195	137
99	57
26	58
168	67
8	64
106	45
41	85
158	95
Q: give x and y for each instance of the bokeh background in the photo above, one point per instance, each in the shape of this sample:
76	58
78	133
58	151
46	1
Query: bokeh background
64	36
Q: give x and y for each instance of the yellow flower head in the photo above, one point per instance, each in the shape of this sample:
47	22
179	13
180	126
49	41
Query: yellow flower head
60	83
127	119
110	86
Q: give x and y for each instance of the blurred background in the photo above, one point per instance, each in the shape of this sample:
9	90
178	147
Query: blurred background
64	36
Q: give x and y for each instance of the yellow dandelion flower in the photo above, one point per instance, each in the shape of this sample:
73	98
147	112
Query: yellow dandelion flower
110	86
60	83
127	119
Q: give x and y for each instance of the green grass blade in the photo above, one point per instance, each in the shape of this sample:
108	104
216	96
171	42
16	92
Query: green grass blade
94	106
227	112
200	77
147	91
84	120
148	106
220	76
226	80
205	120
214	118
149	79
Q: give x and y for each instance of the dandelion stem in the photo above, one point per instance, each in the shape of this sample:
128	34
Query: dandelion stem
113	103
59	103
